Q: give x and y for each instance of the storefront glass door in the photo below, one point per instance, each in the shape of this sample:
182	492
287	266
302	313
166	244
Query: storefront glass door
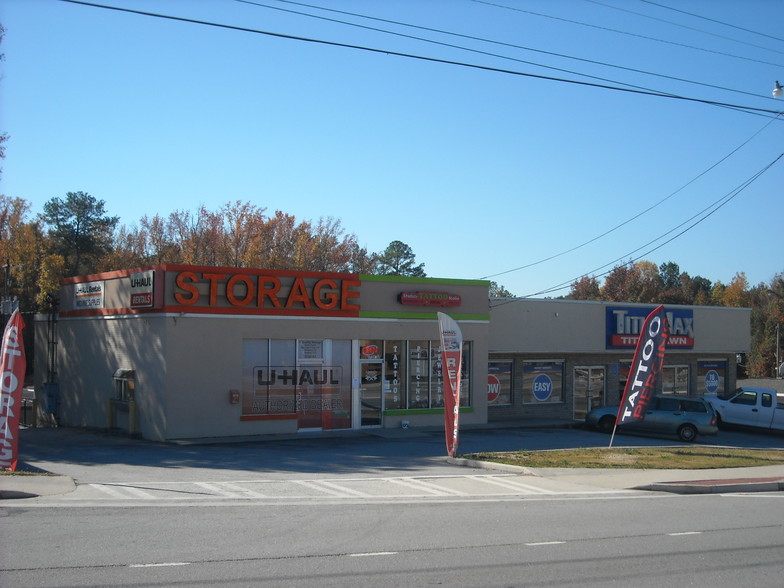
370	393
588	390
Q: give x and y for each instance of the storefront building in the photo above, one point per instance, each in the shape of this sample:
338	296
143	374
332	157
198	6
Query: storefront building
558	359
182	352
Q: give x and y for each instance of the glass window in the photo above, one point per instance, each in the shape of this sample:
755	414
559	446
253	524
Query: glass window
542	382
418	374
306	379
711	377
668	404
465	377
499	383
394	375
694	406
624	367
675	379
425	377
746	398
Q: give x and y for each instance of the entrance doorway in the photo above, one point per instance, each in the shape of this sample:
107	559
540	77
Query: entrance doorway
589	390
370	393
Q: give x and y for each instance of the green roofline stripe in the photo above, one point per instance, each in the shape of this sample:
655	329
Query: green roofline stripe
412	280
422	316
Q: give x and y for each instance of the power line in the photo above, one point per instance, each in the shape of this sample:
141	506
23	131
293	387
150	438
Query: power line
636	216
705	212
675	24
726	24
483	40
626	33
746	109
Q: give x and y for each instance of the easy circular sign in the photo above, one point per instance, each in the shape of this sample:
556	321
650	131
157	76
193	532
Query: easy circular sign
493	388
712	381
543	387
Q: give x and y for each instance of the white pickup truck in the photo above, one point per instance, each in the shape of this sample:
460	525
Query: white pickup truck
749	406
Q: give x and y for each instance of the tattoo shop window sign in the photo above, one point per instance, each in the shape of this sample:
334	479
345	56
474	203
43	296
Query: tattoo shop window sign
421	298
88	295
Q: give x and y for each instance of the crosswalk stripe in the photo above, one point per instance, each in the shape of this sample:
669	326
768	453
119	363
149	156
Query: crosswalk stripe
512	485
340	488
325	488
109	490
216	489
419	484
280	490
113	491
243	491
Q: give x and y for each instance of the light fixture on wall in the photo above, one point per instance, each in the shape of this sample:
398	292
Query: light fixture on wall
778	91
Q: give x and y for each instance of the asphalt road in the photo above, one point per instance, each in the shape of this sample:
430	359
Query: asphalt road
647	540
148	514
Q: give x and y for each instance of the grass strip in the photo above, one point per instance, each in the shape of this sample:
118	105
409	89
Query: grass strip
654	458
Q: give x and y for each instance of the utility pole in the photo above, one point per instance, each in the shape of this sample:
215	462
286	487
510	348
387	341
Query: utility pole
779	367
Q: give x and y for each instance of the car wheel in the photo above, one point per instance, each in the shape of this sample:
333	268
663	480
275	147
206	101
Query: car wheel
606	424
687	433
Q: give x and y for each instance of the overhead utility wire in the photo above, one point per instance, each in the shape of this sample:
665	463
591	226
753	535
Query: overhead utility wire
484	40
718	204
688	28
443	44
625	33
636	216
726	24
715	206
747	109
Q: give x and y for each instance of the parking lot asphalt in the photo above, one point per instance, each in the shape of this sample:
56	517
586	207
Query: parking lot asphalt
65	457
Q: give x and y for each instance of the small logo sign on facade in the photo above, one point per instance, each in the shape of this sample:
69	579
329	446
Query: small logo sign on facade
429	299
88	295
142	284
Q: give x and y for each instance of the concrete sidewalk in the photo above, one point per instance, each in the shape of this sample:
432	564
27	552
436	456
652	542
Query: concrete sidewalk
754	479
713	481
80	452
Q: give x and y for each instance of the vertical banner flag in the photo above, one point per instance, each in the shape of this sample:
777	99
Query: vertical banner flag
645	368
13	373
451	367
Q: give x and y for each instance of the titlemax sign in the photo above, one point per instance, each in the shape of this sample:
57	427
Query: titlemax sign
624	325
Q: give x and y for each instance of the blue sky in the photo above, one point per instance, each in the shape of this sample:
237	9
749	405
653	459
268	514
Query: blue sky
479	171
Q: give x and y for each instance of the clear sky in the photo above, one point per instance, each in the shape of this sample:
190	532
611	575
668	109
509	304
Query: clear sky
480	171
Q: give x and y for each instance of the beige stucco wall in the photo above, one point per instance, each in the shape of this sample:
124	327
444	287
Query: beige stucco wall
565	326
187	362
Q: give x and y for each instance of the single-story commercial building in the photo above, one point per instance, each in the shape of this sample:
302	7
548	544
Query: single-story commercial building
183	352
559	359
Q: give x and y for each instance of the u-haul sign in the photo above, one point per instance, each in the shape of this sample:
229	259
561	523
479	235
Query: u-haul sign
142	285
88	295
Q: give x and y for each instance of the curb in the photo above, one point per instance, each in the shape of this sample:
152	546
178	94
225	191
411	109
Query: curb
12	487
717	486
714	486
490	465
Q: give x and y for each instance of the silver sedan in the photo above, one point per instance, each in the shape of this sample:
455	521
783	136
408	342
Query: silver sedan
671	415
